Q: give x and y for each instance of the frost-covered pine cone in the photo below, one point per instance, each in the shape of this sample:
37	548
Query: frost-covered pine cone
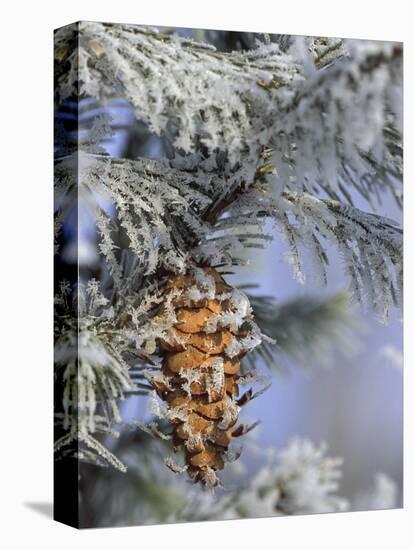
200	368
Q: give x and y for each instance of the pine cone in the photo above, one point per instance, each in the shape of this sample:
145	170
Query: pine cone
200	367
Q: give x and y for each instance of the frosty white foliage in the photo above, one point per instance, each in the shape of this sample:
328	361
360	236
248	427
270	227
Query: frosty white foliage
325	50
344	123
161	209
153	207
381	496
176	82
95	346
329	110
370	246
165	214
301	480
98	370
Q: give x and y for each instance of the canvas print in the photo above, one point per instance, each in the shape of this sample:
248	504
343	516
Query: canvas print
228	274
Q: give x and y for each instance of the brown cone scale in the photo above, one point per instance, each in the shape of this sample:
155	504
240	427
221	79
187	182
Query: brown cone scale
200	380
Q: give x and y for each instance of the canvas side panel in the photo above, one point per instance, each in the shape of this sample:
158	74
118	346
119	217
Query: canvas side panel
66	471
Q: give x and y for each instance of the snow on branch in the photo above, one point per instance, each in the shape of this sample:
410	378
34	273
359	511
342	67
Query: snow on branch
328	109
165	213
162	210
175	84
91	372
370	246
301	480
342	126
99	359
